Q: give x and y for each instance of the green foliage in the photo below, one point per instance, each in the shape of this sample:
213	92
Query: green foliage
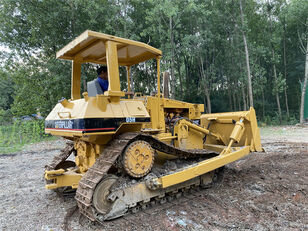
5	116
275	120
6	89
280	84
14	136
258	78
202	44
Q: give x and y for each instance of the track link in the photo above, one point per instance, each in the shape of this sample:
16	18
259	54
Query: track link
97	172
189	191
109	156
58	160
64	154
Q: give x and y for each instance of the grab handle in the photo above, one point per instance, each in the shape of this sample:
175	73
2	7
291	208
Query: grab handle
68	114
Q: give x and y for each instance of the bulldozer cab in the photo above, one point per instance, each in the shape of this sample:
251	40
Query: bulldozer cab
112	51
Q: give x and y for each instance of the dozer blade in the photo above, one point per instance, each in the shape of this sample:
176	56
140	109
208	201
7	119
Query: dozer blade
228	125
199	169
234	135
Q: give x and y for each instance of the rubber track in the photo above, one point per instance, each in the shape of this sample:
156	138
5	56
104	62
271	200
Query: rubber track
109	156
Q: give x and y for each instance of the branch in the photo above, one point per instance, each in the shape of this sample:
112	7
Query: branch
302	47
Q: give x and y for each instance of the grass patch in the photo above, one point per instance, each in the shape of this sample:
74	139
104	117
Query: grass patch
14	136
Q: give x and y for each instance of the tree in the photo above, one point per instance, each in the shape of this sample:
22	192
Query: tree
225	55
6	89
247	57
298	24
36	30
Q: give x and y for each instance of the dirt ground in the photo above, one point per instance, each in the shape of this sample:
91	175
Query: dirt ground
263	191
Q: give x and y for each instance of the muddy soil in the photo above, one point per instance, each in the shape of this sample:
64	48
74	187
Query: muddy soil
263	191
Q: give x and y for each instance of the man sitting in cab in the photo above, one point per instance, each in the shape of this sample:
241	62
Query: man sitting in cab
99	85
102	77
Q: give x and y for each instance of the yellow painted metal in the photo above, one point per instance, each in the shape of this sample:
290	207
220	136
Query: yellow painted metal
63	133
101	102
214	147
49	174
156	112
250	133
66	103
187	138
168	138
200	129
158	77
157	107
87	153
158	94
90	47
95	107
202	168
238	131
105	49
128	80
233	134
68	178
76	77
138	159
113	70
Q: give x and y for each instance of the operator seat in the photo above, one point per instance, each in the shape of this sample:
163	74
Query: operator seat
94	88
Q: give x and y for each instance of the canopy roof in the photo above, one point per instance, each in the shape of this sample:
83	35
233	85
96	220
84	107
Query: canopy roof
90	47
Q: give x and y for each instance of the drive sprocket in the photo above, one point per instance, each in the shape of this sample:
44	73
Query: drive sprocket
138	158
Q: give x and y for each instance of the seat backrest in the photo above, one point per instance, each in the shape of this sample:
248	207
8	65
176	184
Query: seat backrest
94	88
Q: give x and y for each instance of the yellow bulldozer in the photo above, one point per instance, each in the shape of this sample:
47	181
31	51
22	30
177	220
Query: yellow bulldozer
131	151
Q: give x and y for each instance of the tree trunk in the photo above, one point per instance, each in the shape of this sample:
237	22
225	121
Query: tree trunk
180	78
208	101
229	94
247	59
275	72
286	101
186	76
243	91
172	83
285	69
206	89
301	120
244	98
166	84
239	101
132	82
84	85
234	99
263	104
276	93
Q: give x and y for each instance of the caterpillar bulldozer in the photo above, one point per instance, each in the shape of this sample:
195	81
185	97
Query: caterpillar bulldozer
132	151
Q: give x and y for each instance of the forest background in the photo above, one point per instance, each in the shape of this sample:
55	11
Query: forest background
228	54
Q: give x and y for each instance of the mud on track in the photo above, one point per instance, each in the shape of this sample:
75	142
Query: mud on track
264	191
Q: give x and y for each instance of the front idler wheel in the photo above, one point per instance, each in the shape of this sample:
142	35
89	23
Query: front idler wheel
101	193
